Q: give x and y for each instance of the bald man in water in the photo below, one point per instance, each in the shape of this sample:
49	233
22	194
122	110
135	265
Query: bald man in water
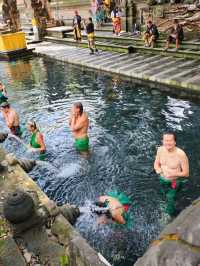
171	164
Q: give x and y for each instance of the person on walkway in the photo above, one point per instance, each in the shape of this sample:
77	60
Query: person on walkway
151	34
77	27
91	36
116	19
100	16
3	93
79	124
37	140
172	165
115	205
176	35
11	118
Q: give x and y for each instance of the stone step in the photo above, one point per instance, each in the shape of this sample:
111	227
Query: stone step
124	48
127	39
155	69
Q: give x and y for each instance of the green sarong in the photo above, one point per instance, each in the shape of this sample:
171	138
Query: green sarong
170	193
82	144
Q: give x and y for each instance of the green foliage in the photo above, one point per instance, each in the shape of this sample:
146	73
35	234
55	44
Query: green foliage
2	228
64	260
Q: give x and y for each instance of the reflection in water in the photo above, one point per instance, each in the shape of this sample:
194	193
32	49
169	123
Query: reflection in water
19	70
126	123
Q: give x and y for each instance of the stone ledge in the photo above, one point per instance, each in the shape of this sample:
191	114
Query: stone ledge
10	253
169	253
178	243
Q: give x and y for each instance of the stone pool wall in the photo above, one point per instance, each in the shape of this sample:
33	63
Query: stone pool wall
50	239
179	243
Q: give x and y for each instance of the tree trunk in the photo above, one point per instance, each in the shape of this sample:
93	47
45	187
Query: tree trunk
42	15
11	15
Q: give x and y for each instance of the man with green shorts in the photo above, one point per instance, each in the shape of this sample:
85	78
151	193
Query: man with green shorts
79	123
171	164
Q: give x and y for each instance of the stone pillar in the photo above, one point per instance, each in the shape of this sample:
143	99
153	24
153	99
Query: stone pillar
128	15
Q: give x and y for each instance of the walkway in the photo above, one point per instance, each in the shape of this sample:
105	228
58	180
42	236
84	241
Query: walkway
157	70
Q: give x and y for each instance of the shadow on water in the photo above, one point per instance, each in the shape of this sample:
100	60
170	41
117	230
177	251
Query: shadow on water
126	122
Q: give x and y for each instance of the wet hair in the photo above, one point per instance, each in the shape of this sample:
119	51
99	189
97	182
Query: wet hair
80	106
5	105
32	124
170	133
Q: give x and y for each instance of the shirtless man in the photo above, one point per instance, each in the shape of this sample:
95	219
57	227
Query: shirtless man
79	126
171	164
11	118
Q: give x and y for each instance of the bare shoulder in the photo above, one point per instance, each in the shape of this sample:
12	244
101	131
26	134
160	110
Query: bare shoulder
181	153
85	116
160	149
13	111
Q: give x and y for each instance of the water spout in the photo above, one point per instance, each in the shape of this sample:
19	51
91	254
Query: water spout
46	165
18	140
3	137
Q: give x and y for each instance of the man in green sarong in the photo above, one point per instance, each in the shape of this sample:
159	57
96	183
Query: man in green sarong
172	165
79	124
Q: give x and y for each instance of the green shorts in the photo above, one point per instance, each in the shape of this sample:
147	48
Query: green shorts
42	156
82	144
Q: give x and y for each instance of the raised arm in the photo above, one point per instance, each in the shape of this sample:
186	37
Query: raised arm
77	125
157	165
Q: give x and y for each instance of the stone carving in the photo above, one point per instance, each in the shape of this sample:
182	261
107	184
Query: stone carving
18	207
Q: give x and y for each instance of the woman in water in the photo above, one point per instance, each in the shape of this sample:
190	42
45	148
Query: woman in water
37	140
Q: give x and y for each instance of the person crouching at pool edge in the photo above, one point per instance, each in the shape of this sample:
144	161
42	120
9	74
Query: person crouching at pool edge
37	140
79	124
11	118
172	165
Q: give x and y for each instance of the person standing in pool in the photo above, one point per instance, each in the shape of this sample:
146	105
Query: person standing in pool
11	118
37	140
171	164
3	93
79	124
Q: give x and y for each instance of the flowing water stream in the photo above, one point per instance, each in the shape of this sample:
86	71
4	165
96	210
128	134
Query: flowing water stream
126	123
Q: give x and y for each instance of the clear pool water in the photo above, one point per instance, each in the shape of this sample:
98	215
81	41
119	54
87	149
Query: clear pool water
126	123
